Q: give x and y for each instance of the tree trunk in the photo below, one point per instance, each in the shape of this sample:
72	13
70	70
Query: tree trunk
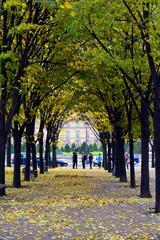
2	161
47	151
41	155
117	156
49	155
113	155
121	160
54	156
105	163
156	120
153	155
33	146
28	152
40	139
34	160
3	133
132	169
145	189
9	151
103	139
109	155
17	156
5	121
131	148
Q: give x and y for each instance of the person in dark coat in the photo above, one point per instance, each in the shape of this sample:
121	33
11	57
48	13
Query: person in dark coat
84	158
74	158
90	160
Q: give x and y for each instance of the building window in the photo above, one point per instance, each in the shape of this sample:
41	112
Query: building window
77	138
67	136
66	125
76	124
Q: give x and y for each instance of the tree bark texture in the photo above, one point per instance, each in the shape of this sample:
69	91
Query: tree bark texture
17	157
109	155
9	151
132	169
145	189
105	162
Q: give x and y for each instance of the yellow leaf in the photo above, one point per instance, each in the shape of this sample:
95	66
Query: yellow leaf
72	14
66	5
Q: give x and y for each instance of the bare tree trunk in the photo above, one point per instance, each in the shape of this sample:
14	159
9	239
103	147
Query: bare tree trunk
105	162
156	120
28	152
122	166
47	151
132	169
33	147
17	156
145	189
54	156
153	155
9	150
109	154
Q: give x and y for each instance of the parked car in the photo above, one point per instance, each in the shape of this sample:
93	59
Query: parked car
136	158
61	163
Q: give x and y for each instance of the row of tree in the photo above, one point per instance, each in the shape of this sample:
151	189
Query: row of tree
99	60
82	148
34	79
120	71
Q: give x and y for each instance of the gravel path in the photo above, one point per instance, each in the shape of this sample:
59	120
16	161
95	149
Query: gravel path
78	204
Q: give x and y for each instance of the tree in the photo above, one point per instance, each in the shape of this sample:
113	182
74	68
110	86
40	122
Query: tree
25	30
122	51
67	148
73	146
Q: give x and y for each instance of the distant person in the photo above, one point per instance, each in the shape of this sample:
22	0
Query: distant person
90	160
99	160
84	158
126	156
74	158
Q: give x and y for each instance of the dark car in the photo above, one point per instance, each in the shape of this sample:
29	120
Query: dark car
61	163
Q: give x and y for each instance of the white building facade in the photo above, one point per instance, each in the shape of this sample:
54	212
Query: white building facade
77	132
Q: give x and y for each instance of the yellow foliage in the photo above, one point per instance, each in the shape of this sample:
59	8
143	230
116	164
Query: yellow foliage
66	5
63	201
73	14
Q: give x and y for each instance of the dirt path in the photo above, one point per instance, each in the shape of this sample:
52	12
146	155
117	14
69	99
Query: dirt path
77	204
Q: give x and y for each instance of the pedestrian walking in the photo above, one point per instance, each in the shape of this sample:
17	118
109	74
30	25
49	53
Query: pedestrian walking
90	160
84	158
74	159
126	156
99	160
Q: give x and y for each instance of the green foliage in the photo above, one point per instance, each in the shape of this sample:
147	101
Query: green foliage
95	147
83	148
73	146
67	148
90	147
100	148
23	147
